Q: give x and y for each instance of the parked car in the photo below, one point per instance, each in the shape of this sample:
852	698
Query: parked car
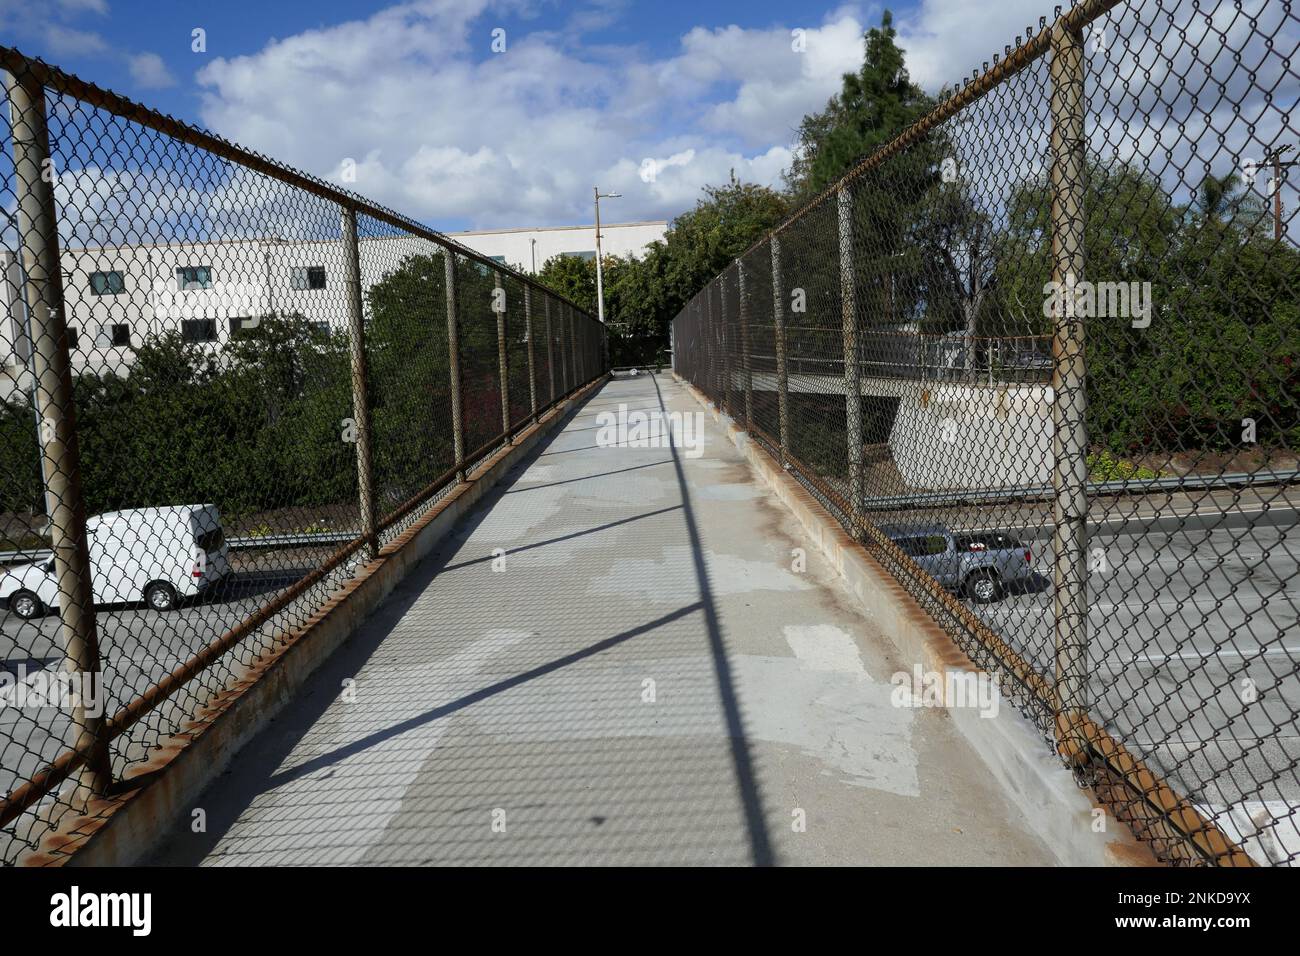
981	565
156	555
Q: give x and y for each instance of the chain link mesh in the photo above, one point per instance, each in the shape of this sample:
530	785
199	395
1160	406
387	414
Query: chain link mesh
211	408
1091	486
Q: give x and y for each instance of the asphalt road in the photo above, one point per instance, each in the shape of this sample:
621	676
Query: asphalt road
1193	599
1194	662
138	647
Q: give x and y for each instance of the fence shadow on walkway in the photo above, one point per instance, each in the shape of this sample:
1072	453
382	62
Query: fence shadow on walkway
265	772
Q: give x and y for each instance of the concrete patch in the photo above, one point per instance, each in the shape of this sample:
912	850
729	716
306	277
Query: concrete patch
673	575
824	647
844	720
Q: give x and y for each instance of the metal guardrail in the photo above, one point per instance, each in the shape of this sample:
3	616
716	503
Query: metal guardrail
1132	486
314	539
1094	489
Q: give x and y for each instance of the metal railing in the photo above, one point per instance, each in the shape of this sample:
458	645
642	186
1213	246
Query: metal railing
1127	562
919	357
226	384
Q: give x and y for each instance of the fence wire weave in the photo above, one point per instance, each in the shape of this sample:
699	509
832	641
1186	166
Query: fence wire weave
1039	354
225	385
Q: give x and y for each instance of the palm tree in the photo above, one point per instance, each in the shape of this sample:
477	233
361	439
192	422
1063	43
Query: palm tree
1225	200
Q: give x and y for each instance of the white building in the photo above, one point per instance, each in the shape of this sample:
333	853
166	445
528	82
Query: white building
528	249
117	296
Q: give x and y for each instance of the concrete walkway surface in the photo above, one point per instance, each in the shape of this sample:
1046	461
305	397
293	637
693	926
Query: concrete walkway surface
615	660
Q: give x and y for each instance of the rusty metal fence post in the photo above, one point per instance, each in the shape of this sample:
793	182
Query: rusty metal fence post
360	384
1069	398
579	359
550	352
710	359
715	348
747	366
532	369
503	357
726	347
564	361
852	369
573	349
782	379
65	507
453	364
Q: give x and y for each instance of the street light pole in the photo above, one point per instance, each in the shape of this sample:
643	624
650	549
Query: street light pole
600	271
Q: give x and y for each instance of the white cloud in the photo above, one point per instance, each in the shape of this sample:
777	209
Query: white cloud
61	40
444	130
946	39
149	71
24	21
83	6
780	76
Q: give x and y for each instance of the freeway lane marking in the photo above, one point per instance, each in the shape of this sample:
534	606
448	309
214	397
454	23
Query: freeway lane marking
1139	517
1183	742
1291	652
1194	604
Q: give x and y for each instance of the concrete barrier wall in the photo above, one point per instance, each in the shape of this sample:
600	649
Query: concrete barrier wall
1011	747
948	436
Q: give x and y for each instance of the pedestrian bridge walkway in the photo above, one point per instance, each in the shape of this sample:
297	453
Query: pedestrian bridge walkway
614	660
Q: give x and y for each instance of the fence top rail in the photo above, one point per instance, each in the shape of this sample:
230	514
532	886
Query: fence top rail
1016	60
16	63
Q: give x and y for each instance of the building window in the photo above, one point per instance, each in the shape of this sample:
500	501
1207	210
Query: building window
194	277
199	330
120	335
307	277
321	328
241	326
73	337
500	260
585	254
107	283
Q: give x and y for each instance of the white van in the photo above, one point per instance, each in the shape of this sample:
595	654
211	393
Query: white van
155	555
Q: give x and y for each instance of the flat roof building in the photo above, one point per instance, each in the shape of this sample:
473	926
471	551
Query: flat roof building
116	296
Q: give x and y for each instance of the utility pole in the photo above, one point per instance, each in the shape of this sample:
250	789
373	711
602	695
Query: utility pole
1274	157
600	277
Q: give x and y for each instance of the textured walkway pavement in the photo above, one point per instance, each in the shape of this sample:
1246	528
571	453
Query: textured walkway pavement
612	662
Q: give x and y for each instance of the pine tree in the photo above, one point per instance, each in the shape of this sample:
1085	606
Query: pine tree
873	106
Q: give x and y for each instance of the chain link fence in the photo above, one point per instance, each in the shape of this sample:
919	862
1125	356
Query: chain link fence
1039	354
225	386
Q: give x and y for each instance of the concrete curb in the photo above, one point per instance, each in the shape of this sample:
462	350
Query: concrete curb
1040	786
122	830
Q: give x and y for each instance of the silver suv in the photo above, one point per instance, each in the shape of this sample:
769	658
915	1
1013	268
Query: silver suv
981	565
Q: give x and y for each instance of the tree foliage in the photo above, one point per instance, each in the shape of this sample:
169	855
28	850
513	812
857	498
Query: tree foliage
873	106
642	295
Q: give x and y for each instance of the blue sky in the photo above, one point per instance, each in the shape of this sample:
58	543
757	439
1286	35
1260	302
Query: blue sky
652	99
